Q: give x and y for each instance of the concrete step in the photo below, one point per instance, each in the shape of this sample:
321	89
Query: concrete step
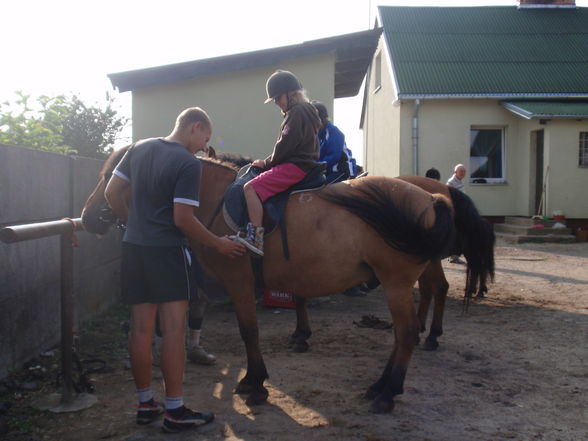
548	238
530	231
527	221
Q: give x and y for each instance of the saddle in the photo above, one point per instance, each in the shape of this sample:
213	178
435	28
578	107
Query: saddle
235	206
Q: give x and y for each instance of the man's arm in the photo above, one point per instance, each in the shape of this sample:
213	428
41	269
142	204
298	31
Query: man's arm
194	230
117	195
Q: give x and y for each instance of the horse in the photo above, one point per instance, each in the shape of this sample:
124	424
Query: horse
474	239
339	236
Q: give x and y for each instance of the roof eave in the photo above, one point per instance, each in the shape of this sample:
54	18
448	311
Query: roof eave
497	96
353	54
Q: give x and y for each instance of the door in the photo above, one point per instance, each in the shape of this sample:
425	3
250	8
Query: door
537	153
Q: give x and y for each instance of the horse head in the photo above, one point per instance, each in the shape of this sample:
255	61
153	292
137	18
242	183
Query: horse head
97	216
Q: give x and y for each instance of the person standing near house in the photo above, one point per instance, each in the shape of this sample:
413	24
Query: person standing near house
340	164
456	181
433	173
295	153
163	176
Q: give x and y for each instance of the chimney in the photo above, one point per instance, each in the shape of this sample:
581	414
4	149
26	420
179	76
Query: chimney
547	4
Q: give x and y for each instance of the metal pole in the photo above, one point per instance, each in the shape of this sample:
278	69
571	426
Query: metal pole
67	319
19	233
65	228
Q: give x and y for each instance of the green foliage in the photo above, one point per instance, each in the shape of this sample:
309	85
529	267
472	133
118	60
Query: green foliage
61	124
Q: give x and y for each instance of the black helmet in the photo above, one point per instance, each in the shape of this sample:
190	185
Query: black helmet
322	111
280	82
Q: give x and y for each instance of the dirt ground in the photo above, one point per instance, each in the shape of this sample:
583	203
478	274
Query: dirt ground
514	368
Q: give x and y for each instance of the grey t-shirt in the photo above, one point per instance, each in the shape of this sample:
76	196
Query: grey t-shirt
160	173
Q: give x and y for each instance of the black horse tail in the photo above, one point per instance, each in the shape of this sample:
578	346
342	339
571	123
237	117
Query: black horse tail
396	224
476	241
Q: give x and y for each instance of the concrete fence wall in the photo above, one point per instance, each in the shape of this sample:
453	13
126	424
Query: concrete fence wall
38	186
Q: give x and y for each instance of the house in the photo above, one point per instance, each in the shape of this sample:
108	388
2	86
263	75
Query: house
232	88
503	90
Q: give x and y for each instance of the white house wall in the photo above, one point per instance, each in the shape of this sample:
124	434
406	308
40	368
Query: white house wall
444	141
381	126
567	182
242	123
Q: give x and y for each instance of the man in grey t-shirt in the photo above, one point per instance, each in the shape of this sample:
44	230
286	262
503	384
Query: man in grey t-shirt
163	176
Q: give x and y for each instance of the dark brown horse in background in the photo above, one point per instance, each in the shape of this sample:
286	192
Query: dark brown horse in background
474	239
339	236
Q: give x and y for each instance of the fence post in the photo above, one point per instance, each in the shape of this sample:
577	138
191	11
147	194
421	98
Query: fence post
67	318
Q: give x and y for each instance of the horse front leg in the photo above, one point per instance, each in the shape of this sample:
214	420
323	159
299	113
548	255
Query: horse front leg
252	382
298	339
406	326
435	284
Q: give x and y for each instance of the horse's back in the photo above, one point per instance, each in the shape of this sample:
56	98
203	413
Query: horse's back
332	244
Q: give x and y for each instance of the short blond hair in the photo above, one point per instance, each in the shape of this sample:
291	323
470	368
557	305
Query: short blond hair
192	115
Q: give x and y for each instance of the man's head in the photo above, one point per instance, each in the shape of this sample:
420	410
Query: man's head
460	171
193	129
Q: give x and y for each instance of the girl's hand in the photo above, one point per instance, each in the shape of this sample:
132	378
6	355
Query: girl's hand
259	163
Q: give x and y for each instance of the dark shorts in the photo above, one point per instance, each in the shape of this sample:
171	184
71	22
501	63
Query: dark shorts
155	274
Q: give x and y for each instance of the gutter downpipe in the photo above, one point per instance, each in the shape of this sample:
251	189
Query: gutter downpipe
415	138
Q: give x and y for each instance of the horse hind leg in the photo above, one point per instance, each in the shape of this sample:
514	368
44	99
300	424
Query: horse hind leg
406	326
426	296
298	340
435	284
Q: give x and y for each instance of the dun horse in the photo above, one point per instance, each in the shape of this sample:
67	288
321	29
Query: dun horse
475	239
338	237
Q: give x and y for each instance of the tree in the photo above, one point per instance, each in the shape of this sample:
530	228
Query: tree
62	124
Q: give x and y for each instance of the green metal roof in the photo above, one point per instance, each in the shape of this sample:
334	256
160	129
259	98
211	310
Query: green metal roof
487	51
548	109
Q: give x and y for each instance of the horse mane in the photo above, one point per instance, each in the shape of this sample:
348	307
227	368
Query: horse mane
220	163
113	160
397	227
234	158
233	161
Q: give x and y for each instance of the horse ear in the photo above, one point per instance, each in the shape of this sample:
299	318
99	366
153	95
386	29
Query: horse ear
211	152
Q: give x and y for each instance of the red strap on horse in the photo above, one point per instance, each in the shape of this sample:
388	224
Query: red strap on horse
73	238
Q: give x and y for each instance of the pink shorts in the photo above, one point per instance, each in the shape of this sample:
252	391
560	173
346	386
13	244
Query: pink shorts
276	180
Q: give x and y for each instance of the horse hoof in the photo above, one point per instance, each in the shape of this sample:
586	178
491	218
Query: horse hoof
300	347
380	406
257	397
371	394
430	345
243	389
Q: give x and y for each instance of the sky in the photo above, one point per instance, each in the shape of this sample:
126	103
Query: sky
69	46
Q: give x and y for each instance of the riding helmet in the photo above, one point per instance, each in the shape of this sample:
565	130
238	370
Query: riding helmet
280	82
322	111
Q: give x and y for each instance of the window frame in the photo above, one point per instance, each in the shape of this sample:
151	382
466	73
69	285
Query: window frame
503	144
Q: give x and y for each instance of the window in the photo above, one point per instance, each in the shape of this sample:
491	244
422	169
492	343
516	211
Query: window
583	160
486	155
378	73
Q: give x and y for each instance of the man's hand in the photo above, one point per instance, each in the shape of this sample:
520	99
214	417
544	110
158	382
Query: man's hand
229	248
